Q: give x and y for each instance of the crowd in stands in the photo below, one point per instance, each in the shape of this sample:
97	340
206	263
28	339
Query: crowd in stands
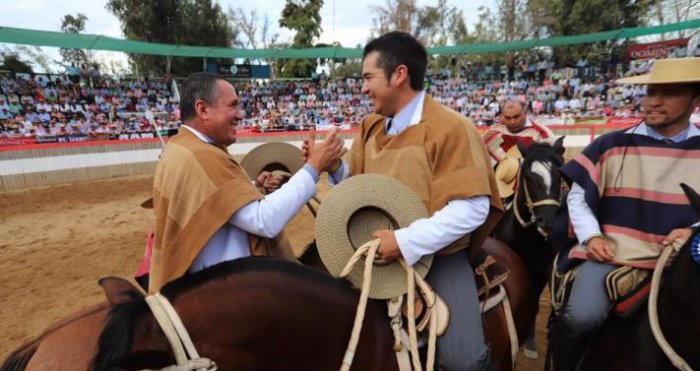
44	105
54	105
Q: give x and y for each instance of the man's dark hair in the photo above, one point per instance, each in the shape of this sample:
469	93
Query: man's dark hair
198	86
397	48
696	90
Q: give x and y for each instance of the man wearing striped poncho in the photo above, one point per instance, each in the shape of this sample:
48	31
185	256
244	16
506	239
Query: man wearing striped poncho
625	203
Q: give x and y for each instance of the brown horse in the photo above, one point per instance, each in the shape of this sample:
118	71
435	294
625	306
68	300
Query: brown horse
517	286
628	344
254	313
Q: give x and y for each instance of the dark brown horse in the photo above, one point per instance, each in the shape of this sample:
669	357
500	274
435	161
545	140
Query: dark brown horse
519	293
525	227
628	344
255	313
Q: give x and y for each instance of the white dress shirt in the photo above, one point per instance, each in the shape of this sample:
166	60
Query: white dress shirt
429	235
265	218
582	218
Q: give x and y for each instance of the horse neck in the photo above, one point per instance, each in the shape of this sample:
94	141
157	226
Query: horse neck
257	313
678	305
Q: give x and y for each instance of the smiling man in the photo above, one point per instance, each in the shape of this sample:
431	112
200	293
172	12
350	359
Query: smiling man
207	210
625	203
437	153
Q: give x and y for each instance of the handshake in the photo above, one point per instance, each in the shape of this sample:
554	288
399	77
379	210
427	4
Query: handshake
325	155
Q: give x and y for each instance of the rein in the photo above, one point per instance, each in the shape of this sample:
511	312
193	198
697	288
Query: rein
677	360
177	335
369	250
530	207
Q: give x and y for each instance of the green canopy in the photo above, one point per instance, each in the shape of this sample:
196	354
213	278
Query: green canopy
97	42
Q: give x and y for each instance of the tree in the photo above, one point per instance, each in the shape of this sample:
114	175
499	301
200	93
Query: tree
12	62
673	11
304	17
75	25
256	31
574	17
433	25
185	22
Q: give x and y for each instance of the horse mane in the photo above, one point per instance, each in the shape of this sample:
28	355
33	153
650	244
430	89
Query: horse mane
683	277
252	265
542	151
19	359
117	336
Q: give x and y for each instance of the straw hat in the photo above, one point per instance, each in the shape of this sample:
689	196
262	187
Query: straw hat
348	216
272	156
668	71
506	172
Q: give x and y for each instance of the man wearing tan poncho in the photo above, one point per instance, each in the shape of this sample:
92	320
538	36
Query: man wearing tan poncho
207	210
437	153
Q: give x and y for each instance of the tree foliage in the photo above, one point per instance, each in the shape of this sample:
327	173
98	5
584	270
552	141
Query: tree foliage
74	24
187	22
12	62
573	17
437	25
304	17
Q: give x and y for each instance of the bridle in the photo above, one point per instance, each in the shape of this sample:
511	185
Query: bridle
530	206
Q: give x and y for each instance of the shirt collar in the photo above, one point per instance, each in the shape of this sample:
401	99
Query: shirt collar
691	131
199	135
410	115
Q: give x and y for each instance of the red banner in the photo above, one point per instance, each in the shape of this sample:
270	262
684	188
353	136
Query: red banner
16	141
657	50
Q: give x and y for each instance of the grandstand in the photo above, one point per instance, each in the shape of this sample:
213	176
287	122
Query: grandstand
40	108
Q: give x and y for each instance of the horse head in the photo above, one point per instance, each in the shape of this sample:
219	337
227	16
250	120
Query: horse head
688	261
539	185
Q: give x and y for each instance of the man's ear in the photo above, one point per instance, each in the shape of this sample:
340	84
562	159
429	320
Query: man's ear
201	108
401	75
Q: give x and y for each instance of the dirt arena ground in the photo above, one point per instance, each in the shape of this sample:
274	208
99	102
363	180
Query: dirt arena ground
56	242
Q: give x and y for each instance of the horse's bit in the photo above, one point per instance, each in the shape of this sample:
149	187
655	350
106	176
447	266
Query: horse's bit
531	208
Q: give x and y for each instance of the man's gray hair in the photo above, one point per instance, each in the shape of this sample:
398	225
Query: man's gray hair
198	86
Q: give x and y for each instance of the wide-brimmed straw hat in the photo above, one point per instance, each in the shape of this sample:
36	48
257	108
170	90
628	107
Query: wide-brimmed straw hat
506	172
348	216
272	156
668	71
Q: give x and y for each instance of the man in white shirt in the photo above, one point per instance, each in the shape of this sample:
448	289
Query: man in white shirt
455	180
207	211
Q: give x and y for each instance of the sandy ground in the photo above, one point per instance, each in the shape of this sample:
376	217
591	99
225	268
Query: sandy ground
56	242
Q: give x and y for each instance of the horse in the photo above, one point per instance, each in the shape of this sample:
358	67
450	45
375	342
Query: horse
517	287
629	343
252	313
247	314
525	227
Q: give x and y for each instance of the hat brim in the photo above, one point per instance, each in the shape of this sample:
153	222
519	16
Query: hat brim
271	157
348	216
505	190
648	80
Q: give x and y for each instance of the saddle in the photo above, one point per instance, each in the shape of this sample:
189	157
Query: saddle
489	276
627	288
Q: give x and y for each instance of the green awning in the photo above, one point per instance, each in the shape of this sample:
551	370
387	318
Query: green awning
97	42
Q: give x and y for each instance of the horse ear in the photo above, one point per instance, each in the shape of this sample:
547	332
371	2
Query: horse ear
118	290
522	148
693	197
559	145
145	360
